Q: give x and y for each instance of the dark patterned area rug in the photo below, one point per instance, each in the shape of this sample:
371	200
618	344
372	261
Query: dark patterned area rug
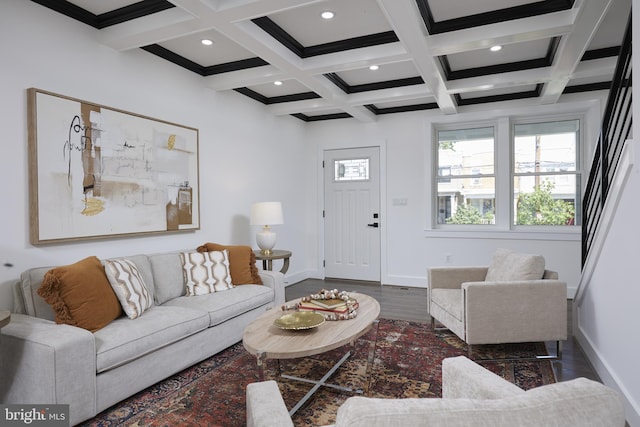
406	362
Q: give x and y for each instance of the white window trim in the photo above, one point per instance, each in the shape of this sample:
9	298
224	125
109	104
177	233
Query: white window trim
503	172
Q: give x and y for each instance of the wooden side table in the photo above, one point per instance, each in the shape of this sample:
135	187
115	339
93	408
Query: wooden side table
267	259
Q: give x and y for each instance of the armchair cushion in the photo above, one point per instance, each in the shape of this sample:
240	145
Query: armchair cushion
507	265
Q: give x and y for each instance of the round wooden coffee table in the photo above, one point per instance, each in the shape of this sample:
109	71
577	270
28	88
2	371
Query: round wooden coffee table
264	340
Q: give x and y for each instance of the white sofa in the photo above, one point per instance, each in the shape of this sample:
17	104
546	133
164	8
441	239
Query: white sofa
44	362
472	396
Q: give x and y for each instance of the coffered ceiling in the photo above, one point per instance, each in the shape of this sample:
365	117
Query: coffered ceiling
429	53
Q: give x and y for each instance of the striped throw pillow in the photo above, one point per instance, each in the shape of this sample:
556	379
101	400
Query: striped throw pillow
129	287
206	272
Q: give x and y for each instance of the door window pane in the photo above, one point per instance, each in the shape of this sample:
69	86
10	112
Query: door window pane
351	170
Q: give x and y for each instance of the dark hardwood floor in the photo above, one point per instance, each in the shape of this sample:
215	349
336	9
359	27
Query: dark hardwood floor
407	303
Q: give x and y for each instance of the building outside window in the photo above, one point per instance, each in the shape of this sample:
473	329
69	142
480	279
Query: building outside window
544	175
466	193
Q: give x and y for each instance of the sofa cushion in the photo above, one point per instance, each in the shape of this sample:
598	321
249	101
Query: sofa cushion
125	339
80	294
242	262
507	265
223	306
129	286
206	272
168	280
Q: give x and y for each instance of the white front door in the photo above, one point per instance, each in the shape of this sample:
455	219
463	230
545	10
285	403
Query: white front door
352	213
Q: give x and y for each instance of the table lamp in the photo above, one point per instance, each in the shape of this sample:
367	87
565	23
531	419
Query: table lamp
266	214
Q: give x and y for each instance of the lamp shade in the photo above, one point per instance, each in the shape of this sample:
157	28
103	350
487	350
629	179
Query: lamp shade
266	213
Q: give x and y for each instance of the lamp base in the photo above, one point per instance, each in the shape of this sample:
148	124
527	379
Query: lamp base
266	240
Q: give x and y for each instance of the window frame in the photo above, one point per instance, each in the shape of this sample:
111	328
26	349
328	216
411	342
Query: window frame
578	172
504	173
436	128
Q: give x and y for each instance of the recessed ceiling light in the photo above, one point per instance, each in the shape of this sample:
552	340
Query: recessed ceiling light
277	83
374	67
206	42
495	48
327	14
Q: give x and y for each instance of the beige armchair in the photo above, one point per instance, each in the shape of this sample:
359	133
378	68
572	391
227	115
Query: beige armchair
512	300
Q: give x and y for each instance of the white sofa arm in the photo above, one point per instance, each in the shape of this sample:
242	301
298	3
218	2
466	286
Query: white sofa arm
274	280
43	362
265	407
464	379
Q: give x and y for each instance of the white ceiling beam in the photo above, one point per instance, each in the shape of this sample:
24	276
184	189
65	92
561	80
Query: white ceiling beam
406	22
405	93
304	107
246	77
516	31
356	58
572	47
240	10
502	80
603	67
150	29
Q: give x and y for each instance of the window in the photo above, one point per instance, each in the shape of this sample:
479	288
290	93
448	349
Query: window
536	183
545	173
351	170
466	176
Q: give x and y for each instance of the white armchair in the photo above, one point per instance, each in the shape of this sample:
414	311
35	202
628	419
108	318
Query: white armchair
513	300
471	395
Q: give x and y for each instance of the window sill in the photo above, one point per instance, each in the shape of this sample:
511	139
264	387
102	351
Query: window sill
518	234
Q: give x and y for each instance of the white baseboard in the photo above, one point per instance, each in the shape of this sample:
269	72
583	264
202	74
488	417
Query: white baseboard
601	366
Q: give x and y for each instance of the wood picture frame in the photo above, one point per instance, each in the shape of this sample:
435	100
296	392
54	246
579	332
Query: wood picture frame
99	172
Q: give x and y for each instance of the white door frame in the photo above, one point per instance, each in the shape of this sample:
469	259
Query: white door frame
381	144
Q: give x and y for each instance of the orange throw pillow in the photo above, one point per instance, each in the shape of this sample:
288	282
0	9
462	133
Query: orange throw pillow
80	295
242	262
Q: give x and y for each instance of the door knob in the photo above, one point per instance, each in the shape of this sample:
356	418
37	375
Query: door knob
374	225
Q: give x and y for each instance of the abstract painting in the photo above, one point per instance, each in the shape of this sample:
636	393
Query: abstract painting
97	172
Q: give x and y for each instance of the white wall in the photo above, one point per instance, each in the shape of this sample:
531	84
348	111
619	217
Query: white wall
409	243
606	307
246	155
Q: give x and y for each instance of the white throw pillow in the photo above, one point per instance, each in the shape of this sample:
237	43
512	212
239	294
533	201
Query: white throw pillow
129	286
206	272
507	265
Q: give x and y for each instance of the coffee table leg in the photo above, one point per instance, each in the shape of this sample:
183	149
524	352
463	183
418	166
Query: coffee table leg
319	384
371	358
261	359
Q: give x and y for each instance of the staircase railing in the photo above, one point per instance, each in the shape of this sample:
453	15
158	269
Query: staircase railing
615	130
